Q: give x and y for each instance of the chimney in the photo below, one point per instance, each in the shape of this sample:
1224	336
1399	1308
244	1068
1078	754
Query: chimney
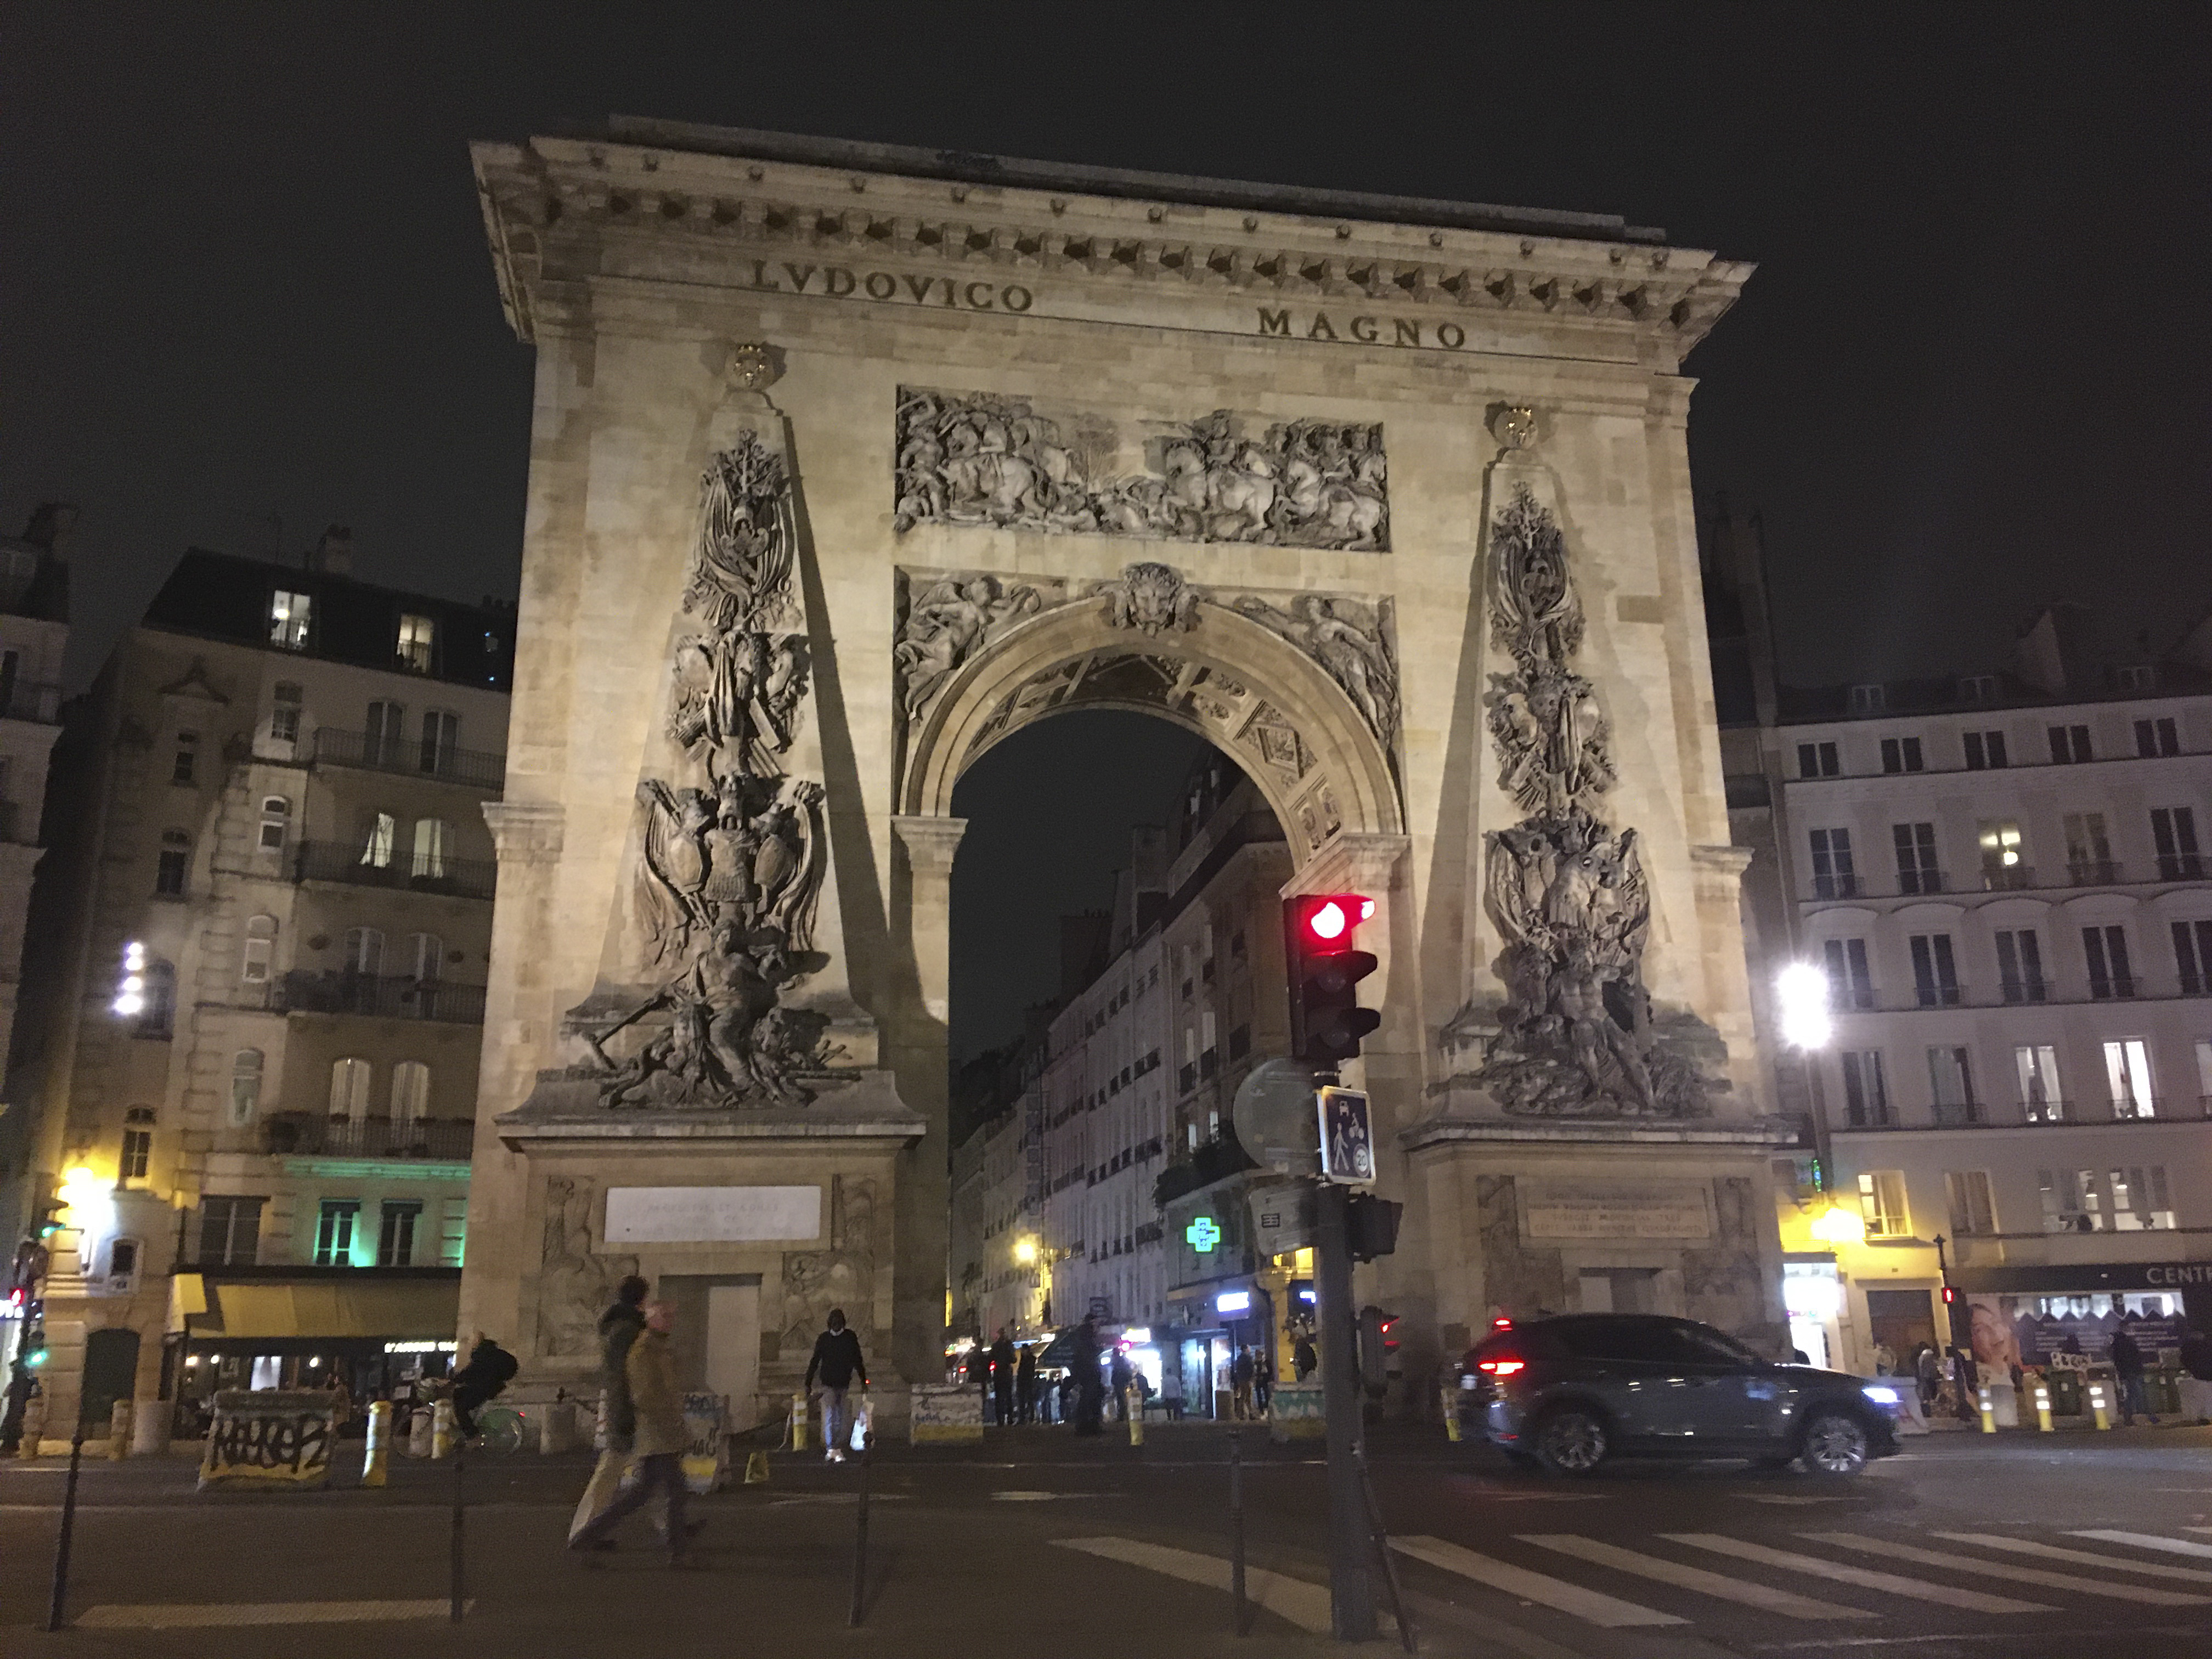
50	526
334	554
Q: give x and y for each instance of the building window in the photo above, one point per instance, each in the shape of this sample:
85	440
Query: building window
2127	1077
1867	700
1934	971
2157	736
1866	1094
377	842
2020	964
181	769
2141	1201
2135	676
2106	951
157	1017
416	637
1833	874
1986	751
2204	1074
2173	835
2070	1203
364	952
432	846
245	1086
384	737
1971	1212
2002	868
288	619
122	1264
137	1143
334	1228
259	951
284	717
395	1245
442	736
2089	851
1916	871
2192	956
1978	687
2035	1067
230	1231
1850	984
410	1092
1882	1201
427	951
1901	753
1817	760
350	1079
1951	1084
2068	743
176	857
276	819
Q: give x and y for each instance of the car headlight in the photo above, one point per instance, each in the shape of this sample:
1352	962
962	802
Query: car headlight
1881	1393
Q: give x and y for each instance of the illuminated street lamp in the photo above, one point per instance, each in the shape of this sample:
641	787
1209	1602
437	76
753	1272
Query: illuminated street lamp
1025	1251
1803	991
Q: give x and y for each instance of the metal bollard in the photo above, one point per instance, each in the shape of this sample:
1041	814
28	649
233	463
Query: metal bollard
799	1422
2099	1407
1449	1394
118	1430
373	1447
1240	1614
1988	1410
444	1429
2042	1406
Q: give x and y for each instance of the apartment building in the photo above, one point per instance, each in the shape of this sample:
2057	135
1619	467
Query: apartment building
259	954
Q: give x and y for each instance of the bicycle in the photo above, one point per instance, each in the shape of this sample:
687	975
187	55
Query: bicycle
499	1429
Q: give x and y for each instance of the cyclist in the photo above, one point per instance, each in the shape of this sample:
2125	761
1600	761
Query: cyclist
489	1369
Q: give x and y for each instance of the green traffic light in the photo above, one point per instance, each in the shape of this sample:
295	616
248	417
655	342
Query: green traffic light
37	1357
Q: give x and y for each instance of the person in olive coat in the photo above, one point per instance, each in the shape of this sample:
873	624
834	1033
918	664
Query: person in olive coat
658	1442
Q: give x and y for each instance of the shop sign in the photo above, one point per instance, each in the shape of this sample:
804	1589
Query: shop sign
1203	1233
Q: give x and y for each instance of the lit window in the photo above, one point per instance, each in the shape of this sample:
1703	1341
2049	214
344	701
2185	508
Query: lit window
137	1143
431	836
1882	1201
288	619
245	1086
417	636
376	850
350	1079
284	719
410	1092
334	1232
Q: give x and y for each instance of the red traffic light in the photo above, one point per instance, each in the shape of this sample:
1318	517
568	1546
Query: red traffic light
1950	1295
1327	1021
1328	921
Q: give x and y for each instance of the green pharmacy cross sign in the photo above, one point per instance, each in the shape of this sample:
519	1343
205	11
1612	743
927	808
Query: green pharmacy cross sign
1204	1234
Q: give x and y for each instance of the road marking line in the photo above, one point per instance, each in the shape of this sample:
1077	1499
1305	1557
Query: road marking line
1590	1606
1693	1578
2049	1580
1787	1498
1302	1604
1918	1589
2145	1540
2084	1557
186	1614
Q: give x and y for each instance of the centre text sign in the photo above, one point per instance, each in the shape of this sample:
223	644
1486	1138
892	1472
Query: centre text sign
1610	1210
712	1215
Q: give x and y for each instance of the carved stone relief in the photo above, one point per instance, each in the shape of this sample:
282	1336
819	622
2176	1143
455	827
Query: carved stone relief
574	1284
842	1276
1346	638
978	458
1576	1036
953	617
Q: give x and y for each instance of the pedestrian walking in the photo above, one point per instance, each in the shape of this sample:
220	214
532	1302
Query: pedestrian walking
1002	1379
657	1441
1967	1377
1240	1384
618	1328
1928	1374
1304	1360
1089	1390
22	1384
489	1369
1119	1375
1025	1385
2128	1366
836	1362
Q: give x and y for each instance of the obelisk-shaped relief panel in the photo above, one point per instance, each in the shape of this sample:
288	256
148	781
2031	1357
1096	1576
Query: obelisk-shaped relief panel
721	985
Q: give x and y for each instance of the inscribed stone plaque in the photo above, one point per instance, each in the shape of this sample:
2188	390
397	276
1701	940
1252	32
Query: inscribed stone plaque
1614	1209
712	1215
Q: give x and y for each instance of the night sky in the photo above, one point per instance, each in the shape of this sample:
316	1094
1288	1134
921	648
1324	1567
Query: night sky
244	291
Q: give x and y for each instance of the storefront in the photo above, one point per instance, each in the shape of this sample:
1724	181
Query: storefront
2029	1316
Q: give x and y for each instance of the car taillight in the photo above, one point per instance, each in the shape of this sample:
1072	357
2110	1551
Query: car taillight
1501	1367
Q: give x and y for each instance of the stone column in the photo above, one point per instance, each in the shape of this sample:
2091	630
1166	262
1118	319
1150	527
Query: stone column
920	1057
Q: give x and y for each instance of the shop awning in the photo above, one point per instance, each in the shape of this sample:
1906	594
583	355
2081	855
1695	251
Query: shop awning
324	1307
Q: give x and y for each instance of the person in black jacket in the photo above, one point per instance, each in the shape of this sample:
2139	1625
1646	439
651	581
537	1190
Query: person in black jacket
1025	1385
489	1369
618	1328
1090	1388
1002	1379
836	1360
2128	1367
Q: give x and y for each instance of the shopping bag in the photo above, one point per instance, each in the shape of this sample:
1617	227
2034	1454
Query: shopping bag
600	1491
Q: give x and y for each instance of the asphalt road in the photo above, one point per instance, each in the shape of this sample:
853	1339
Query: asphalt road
1040	1544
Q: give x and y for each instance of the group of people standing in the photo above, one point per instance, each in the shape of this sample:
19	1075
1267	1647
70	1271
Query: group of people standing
1006	1372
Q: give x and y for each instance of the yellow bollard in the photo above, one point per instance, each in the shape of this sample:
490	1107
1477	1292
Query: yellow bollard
1132	1407
2042	1406
1445	1393
373	1447
2099	1407
799	1422
756	1469
442	1429
1989	1410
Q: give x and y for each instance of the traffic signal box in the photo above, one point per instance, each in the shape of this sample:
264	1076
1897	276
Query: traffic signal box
1326	1021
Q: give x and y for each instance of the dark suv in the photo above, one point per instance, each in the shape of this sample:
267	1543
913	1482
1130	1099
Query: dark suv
1570	1393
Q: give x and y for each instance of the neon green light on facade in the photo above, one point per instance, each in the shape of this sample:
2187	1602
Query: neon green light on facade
1204	1234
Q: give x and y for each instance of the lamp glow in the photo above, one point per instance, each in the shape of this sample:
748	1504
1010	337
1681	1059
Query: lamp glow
1329	921
1803	991
1839	1226
1026	1251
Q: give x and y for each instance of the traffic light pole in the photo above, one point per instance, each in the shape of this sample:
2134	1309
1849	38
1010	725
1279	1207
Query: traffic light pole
1350	1593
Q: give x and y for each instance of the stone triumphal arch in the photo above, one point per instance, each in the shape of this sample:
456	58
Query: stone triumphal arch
848	463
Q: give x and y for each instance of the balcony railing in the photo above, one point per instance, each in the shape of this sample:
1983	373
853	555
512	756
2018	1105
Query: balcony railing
1836	887
334	861
2008	877
383	997
2181	866
2093	872
2023	990
446	1140
410	757
22	701
1932	994
2106	988
1914	882
2048	1114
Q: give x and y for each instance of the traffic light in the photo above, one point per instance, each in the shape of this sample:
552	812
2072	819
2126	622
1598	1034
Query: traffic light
1377	1345
1370	1226
1327	1021
1950	1295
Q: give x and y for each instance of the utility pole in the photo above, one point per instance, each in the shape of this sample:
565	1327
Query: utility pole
1350	1595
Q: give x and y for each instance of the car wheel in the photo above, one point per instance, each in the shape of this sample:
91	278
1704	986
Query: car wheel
1835	1444
1573	1441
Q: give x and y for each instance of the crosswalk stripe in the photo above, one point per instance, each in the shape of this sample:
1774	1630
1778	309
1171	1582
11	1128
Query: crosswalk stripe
206	1615
2049	1580
2149	1541
1843	1573
1590	1606
1304	1604
1990	1541
1691	1578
